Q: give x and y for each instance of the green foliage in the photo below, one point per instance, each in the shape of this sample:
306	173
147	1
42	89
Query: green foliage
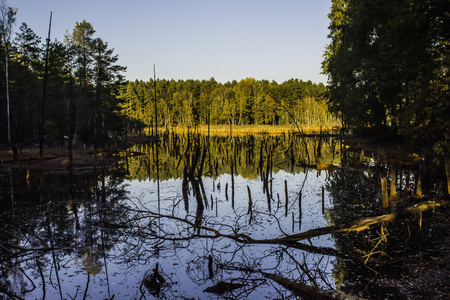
388	64
249	101
7	19
82	86
87	99
27	50
81	41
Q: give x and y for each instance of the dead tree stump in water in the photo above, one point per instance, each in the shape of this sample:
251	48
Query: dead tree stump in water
384	193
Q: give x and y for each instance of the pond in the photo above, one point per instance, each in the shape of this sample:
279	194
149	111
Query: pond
220	217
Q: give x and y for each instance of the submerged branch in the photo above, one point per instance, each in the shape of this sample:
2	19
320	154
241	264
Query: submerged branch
7	245
297	287
11	295
306	291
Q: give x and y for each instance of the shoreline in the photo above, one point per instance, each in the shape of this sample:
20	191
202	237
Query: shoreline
253	129
56	159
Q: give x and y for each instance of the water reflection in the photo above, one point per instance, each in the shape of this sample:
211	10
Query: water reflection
248	156
208	217
60	219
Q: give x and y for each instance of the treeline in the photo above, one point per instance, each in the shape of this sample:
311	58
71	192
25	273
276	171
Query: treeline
249	101
82	79
74	90
388	65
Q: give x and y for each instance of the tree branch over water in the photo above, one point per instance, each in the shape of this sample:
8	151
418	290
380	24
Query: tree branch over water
291	241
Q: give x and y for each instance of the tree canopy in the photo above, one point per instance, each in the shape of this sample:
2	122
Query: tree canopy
387	66
249	101
88	99
83	77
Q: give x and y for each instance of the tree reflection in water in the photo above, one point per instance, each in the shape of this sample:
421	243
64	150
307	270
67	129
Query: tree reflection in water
226	224
61	220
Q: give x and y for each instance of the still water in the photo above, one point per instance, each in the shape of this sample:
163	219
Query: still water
205	218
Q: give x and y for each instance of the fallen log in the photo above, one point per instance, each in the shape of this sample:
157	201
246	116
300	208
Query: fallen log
308	292
362	224
292	240
222	287
426	205
300	289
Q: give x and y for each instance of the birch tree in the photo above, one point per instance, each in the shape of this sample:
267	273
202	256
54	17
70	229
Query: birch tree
7	19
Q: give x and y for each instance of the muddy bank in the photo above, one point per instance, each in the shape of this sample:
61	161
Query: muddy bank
55	159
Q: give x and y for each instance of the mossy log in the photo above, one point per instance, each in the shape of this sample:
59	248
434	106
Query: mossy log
426	205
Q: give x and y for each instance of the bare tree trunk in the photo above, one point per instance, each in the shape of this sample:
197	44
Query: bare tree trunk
41	129
7	93
97	104
447	172
7	19
157	140
384	193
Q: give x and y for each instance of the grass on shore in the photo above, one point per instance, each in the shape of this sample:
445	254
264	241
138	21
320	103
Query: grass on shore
254	129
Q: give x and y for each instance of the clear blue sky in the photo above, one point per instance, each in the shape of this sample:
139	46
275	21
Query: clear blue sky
197	39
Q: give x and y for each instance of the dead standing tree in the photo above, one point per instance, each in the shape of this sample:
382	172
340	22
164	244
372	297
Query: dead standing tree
7	19
44	93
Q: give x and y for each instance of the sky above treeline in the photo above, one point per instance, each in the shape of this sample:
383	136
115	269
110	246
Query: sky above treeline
197	39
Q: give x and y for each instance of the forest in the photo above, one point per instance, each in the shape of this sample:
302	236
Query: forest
249	101
57	89
387	65
358	213
76	89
